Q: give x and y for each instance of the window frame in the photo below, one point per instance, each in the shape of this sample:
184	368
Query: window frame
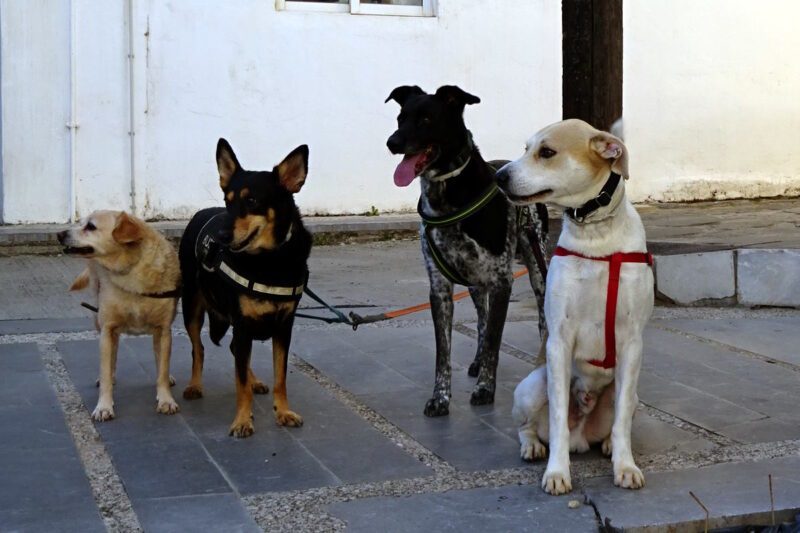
356	7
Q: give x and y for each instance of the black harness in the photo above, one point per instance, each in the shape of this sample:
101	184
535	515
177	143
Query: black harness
579	214
524	220
217	258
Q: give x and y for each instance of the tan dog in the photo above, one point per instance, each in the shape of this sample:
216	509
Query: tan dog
135	275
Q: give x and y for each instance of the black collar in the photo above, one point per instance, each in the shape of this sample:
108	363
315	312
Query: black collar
579	214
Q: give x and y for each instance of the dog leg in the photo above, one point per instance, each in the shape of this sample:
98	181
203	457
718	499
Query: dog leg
193	317
556	479
259	387
626	473
241	348
483	393
481	300
530	398
109	343
535	275
280	355
162	346
441	298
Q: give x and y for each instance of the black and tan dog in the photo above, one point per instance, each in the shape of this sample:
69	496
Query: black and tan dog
470	232
246	266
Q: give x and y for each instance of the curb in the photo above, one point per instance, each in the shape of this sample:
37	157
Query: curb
746	277
39	235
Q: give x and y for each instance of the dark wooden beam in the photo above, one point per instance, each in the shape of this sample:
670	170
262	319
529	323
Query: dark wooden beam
592	60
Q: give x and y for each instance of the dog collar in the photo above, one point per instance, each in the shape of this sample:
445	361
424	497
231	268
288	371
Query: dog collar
579	214
455	167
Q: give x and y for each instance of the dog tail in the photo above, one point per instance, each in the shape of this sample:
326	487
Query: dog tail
217	328
82	281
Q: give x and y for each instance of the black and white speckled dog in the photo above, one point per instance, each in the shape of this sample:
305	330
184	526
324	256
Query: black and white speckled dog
470	234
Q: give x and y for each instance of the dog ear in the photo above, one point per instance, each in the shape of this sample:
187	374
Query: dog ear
227	164
127	230
454	95
613	149
401	94
292	171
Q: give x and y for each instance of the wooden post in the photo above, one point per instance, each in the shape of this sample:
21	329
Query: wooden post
592	60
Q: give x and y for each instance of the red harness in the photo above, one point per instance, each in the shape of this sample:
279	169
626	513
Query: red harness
615	262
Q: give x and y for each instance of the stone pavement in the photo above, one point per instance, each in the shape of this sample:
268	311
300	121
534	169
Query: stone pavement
718	414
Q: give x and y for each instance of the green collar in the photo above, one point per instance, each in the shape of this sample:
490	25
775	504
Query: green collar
466	212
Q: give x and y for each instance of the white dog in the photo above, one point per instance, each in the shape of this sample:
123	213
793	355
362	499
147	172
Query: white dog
600	269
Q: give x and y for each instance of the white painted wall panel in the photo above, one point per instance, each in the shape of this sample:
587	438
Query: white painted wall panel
102	155
36	107
712	98
268	81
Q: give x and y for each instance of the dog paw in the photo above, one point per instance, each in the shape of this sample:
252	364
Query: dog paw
242	429
607	447
288	418
530	451
167	407
482	396
556	483
437	407
102	413
579	447
628	476
473	370
259	388
192	392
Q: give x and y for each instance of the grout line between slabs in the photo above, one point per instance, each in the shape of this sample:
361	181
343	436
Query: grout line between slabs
107	488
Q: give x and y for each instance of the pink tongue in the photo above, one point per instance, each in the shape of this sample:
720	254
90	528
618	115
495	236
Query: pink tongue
404	174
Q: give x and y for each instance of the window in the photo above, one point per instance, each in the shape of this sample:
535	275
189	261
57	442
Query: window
412	8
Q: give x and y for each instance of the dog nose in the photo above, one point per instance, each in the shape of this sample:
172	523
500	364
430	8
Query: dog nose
394	144
61	236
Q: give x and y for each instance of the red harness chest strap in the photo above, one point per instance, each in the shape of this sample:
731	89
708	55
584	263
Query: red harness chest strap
614	263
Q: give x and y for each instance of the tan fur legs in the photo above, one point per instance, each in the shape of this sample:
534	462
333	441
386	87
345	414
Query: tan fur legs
109	343
194	324
280	404
243	422
162	347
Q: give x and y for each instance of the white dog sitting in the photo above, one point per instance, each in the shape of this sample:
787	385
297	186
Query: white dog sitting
591	413
599	286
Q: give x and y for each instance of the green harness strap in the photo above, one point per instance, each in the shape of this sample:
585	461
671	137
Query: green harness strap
429	222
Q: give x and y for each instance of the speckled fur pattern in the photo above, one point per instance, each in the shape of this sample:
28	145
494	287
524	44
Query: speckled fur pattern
491	276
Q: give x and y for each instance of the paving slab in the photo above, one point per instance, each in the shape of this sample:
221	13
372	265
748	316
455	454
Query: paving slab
194	445
392	370
46	325
774	337
509	508
728	490
223	512
42	474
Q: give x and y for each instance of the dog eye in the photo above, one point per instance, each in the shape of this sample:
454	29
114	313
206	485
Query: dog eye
251	202
546	153
425	121
90	227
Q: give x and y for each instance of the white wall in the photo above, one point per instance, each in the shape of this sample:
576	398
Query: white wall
267	81
35	44
712	98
